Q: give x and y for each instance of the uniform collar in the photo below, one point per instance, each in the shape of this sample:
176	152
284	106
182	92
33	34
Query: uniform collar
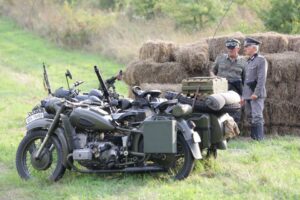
252	57
228	58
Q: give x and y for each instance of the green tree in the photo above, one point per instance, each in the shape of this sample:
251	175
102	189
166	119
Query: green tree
144	8
284	16
192	14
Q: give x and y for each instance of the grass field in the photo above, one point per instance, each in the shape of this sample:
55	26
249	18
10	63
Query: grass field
247	170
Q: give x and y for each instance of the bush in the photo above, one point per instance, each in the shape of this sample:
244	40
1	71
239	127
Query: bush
284	16
191	15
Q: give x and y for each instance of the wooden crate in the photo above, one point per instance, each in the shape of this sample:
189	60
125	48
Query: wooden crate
206	85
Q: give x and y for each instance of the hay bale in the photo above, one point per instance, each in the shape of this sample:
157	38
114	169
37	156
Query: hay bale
157	51
128	74
280	91
294	43
282	112
283	66
194	57
282	130
272	42
147	71
217	44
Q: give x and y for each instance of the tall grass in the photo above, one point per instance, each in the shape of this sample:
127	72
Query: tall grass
113	34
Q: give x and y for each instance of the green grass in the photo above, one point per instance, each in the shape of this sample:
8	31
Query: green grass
247	170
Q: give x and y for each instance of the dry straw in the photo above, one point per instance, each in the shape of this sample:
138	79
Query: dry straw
147	71
294	43
194	57
272	42
157	51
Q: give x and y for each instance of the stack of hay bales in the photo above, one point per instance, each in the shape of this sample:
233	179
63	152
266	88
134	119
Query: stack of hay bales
163	65
283	87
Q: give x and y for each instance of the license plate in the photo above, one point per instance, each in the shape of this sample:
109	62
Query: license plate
33	117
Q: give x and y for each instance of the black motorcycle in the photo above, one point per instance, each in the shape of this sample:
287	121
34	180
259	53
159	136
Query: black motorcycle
87	139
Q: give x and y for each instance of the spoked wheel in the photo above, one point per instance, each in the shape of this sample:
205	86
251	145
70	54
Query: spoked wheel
182	163
49	164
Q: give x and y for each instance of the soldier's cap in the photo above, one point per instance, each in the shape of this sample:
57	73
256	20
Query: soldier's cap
232	43
251	41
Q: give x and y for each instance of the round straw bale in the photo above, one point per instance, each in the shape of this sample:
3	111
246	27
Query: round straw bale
158	51
217	44
294	43
193	57
271	42
147	71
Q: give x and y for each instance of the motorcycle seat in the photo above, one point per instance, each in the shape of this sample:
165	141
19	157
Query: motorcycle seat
164	105
138	92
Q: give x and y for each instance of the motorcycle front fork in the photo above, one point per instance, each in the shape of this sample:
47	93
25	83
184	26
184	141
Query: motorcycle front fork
50	131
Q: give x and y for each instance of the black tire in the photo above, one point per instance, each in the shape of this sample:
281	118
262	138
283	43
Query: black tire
200	105
183	149
50	166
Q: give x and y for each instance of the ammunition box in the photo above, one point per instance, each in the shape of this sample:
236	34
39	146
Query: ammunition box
160	136
204	85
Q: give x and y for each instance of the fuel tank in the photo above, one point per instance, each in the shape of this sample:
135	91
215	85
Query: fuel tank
91	118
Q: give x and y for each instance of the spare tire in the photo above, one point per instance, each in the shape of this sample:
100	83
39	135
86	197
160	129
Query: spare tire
200	105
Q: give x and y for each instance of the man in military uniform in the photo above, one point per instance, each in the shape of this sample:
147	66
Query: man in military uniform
254	90
231	66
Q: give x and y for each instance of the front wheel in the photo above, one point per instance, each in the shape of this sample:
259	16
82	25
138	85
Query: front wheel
184	160
179	165
49	165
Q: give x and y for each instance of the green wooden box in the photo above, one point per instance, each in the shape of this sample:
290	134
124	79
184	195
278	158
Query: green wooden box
205	85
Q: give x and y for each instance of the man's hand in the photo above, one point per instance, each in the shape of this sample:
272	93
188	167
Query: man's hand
253	97
242	102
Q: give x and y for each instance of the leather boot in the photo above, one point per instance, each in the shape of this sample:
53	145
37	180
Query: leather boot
260	132
253	134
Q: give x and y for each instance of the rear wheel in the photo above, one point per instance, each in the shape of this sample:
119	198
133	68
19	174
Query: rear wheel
49	165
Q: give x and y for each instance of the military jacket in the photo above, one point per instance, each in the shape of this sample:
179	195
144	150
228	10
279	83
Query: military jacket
255	77
232	70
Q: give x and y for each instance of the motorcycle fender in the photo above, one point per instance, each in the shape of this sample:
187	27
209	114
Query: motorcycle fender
43	123
191	137
59	132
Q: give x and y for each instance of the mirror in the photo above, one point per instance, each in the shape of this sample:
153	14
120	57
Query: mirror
68	74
